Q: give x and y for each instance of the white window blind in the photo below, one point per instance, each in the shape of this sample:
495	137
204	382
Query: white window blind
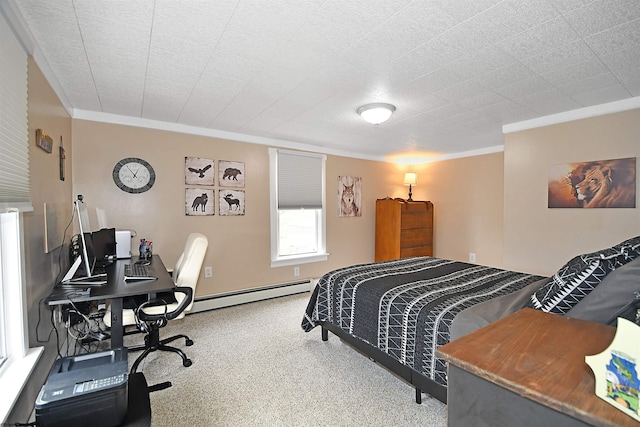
14	134
300	178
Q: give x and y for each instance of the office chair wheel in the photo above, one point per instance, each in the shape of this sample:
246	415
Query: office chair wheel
189	342
187	362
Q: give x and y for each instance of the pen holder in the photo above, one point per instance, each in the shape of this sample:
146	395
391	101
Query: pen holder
146	249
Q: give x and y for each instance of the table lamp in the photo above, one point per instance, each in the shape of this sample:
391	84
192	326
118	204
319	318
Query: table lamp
410	178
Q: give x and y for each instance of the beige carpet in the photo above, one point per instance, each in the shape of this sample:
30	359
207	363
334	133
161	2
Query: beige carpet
254	366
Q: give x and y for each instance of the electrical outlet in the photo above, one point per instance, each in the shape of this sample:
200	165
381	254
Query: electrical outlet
472	257
296	271
208	272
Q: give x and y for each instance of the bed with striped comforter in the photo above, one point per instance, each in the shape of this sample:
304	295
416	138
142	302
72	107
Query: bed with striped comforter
406	307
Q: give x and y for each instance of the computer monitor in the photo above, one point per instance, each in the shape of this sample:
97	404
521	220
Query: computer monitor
104	246
87	256
85	228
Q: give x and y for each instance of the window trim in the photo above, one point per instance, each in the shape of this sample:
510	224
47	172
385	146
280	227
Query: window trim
20	359
321	254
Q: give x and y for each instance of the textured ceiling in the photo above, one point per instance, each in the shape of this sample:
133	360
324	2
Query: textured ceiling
297	71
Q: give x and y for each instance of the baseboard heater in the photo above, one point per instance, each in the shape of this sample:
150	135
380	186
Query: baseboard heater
251	295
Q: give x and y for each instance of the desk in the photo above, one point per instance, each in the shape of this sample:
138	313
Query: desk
528	369
115	290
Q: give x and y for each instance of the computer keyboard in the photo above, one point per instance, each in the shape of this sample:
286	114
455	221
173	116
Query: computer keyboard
137	272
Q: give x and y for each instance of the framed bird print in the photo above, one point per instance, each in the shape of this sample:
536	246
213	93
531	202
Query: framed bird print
231	174
198	171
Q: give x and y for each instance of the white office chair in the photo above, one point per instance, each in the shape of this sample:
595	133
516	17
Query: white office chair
150	316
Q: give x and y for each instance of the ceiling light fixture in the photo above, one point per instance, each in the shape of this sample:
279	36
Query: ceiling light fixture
376	113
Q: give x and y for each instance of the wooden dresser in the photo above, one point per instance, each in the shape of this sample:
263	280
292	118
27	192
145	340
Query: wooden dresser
403	229
528	369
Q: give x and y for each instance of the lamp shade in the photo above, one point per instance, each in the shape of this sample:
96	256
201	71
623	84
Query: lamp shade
376	113
410	178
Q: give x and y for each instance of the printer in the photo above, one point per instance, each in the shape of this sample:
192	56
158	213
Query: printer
88	389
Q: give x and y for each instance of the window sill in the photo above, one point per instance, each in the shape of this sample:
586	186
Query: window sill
14	374
299	259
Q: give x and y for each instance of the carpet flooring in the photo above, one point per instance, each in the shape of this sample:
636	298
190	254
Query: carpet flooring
254	366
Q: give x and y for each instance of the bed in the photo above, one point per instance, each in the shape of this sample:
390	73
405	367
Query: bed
399	312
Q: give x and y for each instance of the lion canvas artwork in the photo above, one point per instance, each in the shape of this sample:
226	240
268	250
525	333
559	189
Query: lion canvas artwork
598	184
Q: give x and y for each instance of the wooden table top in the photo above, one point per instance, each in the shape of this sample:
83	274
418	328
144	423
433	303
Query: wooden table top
541	356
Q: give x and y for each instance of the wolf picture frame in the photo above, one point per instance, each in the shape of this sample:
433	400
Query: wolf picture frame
199	202
349	196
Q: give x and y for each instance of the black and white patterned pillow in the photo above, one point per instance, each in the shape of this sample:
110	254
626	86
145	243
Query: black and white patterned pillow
581	275
574	281
629	249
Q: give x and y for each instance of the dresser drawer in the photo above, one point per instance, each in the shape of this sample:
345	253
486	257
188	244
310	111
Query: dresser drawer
416	251
416	220
416	237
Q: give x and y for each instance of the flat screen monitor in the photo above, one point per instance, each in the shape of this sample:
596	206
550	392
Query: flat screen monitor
104	246
84	264
85	237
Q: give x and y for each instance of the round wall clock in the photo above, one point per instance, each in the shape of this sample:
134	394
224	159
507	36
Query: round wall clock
134	175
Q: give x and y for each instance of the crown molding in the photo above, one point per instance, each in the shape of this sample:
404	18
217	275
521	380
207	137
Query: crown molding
569	116
213	133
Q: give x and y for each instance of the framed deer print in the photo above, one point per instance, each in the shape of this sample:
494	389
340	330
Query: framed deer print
231	202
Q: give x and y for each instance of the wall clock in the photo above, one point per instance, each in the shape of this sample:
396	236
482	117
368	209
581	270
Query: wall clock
134	175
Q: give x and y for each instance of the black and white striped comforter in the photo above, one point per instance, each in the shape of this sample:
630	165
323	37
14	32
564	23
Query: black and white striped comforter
405	307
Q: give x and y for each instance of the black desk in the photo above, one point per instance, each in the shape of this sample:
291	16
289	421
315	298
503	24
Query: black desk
115	290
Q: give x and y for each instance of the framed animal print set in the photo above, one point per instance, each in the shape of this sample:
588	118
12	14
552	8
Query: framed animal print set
200	200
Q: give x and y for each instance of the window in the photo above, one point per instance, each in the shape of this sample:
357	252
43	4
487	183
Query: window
19	360
15	197
297	207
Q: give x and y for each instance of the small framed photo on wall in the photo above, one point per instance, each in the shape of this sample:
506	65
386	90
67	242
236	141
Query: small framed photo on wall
198	171
231	202
349	196
44	141
231	174
199	202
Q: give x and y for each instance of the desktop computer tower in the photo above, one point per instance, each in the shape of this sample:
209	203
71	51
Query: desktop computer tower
123	244
85	390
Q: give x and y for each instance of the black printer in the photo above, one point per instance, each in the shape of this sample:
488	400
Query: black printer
88	389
